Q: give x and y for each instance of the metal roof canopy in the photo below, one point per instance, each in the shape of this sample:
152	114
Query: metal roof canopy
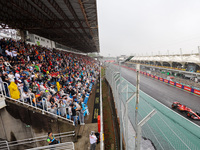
69	22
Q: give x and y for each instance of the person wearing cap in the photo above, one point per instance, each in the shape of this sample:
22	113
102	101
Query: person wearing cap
17	75
93	140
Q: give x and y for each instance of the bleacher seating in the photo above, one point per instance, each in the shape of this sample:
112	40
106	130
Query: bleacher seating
56	81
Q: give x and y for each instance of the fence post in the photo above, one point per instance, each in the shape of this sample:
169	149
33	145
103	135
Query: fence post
137	92
137	100
120	107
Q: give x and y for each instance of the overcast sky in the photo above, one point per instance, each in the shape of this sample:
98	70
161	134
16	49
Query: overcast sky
146	27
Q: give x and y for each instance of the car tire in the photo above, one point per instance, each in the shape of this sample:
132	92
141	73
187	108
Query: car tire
174	106
189	114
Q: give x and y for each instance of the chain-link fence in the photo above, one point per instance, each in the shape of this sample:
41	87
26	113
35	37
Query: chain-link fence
167	130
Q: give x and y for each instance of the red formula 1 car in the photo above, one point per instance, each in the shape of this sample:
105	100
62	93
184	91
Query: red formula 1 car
180	107
189	112
194	115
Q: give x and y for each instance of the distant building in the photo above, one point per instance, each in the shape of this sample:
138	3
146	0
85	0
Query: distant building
35	39
9	33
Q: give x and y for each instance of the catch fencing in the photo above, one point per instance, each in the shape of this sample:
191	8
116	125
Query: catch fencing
167	130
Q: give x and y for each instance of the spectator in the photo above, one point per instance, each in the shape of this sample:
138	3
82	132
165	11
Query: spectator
26	97
73	113
14	54
14	92
81	116
53	109
39	102
1	83
17	75
51	139
93	140
11	77
61	78
62	107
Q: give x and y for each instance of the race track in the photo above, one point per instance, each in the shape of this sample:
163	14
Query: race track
162	92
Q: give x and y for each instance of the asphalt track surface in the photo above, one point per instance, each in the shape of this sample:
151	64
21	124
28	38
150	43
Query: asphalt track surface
164	93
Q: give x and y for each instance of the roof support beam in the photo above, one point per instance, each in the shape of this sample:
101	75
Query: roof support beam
67	2
60	11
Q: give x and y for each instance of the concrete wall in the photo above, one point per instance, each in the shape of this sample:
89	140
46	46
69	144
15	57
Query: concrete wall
18	122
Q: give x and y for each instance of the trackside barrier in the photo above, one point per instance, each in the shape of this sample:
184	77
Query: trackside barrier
184	87
167	130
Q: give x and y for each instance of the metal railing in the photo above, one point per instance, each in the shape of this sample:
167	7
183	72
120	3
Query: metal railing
4	145
61	146
31	97
8	145
167	130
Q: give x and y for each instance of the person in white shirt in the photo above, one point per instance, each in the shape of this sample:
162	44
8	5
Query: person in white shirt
7	52
52	90
11	77
26	97
93	140
14	54
20	86
17	75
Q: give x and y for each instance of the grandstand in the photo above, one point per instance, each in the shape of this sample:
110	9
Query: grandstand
185	62
47	76
184	69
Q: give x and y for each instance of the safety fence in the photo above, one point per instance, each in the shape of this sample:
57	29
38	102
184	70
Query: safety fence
167	130
30	142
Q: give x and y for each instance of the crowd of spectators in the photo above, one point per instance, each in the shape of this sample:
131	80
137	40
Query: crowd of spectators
50	79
